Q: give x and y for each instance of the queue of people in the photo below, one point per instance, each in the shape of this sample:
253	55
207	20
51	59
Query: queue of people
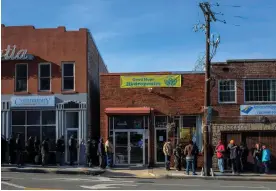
182	155
90	153
236	157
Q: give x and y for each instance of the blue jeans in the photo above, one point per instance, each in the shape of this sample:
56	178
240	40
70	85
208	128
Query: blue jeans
190	164
266	166
221	164
109	159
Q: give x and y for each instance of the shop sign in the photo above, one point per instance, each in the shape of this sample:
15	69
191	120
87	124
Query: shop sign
33	101
150	81
10	53
258	109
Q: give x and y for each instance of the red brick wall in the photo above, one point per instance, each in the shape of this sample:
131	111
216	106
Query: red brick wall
187	100
48	45
239	71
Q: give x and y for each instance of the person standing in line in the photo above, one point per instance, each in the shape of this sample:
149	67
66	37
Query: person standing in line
37	150
188	151
12	148
243	157
168	151
109	152
88	153
94	150
101	153
257	156
82	153
195	153
19	150
30	150
234	156
177	157
3	149
72	149
266	157
220	149
45	151
60	148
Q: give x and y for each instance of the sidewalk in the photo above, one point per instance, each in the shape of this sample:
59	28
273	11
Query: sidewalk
52	169
163	174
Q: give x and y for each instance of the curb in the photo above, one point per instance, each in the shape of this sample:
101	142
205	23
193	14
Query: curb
45	171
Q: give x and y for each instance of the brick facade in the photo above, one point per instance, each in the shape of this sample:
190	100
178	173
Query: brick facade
186	100
226	117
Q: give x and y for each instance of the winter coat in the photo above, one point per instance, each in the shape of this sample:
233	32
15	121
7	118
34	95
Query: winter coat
82	150
220	149
234	151
266	155
257	154
60	147
168	149
72	145
108	147
101	150
44	147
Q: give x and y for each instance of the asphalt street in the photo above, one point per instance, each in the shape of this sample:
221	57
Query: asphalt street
24	181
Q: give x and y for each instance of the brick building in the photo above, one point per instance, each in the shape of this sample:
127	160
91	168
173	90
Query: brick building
139	111
50	83
244	103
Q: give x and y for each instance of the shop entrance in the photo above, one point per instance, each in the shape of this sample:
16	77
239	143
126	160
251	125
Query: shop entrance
72	128
129	147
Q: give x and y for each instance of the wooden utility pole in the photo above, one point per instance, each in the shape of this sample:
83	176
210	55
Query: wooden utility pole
205	7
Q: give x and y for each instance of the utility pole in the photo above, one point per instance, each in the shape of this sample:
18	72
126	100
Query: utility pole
209	16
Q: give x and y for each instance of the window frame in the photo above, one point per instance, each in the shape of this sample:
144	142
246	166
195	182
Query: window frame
244	96
74	76
39	77
15	77
219	91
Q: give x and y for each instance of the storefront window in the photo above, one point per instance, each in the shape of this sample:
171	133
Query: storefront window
48	117
49	132
128	122
30	122
33	117
72	119
188	129
18	118
160	121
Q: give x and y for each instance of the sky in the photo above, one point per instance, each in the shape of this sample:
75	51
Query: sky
155	35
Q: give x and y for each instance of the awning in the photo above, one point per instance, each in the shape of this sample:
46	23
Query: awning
128	110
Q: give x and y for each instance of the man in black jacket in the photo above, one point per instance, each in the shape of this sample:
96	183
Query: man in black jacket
45	151
72	149
19	149
88	153
101	153
12	148
60	149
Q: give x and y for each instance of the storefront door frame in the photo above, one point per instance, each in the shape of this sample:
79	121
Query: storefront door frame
129	147
155	143
66	134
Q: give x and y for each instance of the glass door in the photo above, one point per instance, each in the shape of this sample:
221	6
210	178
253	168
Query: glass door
121	148
136	140
160	139
129	147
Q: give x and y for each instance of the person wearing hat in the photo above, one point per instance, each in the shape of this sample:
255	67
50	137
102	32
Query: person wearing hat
234	156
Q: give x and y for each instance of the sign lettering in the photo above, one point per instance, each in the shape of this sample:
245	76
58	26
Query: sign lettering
33	101
150	81
10	54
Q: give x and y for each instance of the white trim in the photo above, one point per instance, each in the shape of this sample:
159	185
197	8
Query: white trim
74	76
258	102
39	77
228	102
15	87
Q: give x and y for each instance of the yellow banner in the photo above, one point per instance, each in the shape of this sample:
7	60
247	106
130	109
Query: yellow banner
150	81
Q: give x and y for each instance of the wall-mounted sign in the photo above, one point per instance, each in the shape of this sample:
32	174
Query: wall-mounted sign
258	109
33	101
149	81
10	53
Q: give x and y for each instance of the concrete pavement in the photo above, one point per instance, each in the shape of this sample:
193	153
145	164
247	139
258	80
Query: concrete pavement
52	169
30	181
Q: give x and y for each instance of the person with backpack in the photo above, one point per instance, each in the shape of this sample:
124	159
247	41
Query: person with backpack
220	149
189	152
234	156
